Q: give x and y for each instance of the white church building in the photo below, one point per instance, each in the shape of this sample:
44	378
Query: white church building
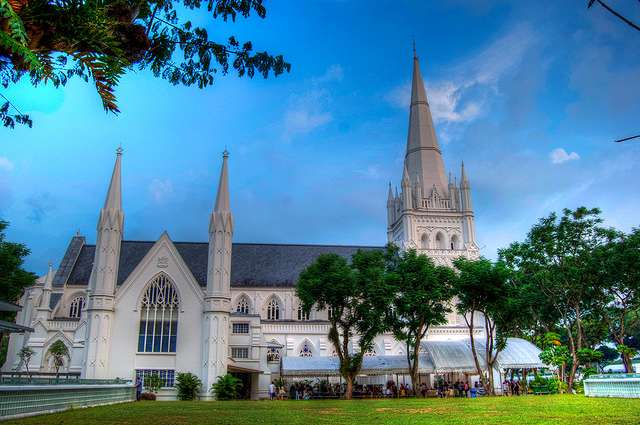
129	308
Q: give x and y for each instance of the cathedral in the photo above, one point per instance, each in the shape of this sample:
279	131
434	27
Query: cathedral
127	308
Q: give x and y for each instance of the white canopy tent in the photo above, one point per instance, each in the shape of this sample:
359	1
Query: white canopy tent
436	357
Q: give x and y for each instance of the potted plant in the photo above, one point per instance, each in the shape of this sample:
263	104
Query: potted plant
25	355
59	351
152	385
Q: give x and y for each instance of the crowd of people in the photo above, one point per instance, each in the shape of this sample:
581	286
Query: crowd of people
306	390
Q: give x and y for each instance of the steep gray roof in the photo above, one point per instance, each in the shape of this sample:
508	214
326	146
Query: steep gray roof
252	265
69	260
55	299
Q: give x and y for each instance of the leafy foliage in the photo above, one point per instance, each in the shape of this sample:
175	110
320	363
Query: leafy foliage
358	296
102	40
485	287
558	257
187	385
421	300
153	383
227	387
13	278
59	351
25	354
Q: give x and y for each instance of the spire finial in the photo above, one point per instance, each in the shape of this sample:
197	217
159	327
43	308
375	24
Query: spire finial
225	153
415	55
119	150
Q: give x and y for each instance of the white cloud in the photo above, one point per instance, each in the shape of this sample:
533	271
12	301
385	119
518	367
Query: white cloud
5	164
559	156
333	73
160	190
461	97
304	121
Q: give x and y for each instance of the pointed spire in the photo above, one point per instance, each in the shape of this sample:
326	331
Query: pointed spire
390	194
114	195
406	181
463	176
48	279
423	157
222	198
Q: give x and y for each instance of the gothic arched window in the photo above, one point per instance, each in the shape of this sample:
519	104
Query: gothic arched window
75	309
455	244
424	241
159	317
243	305
302	315
273	310
440	243
305	351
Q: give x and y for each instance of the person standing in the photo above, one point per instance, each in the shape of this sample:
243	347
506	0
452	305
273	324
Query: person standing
272	391
138	388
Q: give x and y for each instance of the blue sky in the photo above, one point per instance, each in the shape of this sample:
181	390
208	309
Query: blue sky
529	96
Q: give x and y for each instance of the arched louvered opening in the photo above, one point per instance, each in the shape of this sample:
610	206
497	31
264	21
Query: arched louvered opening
440	241
424	241
455	242
75	309
159	317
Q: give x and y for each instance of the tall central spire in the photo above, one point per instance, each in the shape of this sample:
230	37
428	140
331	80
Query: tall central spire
222	197
114	194
423	159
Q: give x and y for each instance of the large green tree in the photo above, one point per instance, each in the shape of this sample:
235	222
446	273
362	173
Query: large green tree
422	298
52	41
13	278
557	256
485	287
357	298
618	263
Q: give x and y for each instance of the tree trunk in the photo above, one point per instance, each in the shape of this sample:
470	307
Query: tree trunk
349	391
626	360
413	368
473	350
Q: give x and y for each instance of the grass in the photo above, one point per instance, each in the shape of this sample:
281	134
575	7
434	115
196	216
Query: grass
556	409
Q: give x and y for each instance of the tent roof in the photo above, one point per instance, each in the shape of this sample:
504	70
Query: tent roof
453	356
520	353
436	357
329	366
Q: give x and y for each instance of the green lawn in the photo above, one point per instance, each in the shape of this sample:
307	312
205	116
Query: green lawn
573	410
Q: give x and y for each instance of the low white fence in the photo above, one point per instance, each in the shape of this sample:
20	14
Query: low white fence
613	385
28	400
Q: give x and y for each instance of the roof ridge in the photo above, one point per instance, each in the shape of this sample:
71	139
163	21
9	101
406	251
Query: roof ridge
262	243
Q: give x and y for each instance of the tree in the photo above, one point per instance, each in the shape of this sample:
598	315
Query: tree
555	354
422	295
558	257
59	351
25	355
227	387
357	298
484	287
13	279
52	42
618	263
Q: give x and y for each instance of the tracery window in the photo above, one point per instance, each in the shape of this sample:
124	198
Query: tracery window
273	310
273	354
305	351
302	315
243	305
440	242
75	309
454	242
159	317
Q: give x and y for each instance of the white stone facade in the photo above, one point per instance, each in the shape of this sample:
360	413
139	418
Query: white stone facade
201	315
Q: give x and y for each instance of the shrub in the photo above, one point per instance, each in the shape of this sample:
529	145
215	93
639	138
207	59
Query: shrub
187	385
147	396
152	383
227	387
